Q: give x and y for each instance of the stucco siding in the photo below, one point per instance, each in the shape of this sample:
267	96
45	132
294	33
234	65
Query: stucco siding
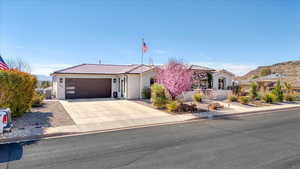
145	80
133	86
59	83
217	76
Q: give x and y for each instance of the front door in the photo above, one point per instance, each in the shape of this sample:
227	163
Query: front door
222	83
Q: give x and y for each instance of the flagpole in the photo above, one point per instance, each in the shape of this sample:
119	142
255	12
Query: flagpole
142	58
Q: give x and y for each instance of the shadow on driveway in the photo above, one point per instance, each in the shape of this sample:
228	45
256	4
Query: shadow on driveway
12	151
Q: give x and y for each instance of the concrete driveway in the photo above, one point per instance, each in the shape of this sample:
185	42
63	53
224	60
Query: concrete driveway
89	111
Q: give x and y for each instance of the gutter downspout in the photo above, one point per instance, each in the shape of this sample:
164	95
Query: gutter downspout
126	83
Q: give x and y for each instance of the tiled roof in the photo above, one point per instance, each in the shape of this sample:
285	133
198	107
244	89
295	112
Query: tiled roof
197	67
116	69
103	69
274	77
141	69
226	71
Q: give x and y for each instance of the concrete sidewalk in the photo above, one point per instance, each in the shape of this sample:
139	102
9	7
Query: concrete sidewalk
236	108
113	125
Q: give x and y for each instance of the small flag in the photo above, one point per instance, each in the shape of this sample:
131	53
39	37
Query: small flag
3	65
145	47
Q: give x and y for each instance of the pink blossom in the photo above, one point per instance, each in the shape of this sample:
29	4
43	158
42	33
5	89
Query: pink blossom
175	77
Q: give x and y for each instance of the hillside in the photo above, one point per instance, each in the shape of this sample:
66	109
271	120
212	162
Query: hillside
291	69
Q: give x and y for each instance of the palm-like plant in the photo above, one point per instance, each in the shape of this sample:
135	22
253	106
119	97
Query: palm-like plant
288	88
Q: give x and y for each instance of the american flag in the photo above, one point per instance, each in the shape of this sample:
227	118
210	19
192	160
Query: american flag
145	47
3	65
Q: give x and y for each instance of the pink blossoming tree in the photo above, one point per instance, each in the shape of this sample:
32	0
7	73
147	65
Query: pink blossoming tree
175	77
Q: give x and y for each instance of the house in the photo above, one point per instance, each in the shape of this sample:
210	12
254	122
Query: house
122	81
101	80
223	80
265	83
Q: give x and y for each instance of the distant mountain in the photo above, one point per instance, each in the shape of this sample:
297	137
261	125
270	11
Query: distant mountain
43	78
290	69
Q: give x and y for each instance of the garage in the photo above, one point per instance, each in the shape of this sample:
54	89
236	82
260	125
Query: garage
87	88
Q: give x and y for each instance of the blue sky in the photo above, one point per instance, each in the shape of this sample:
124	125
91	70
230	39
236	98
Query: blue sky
233	34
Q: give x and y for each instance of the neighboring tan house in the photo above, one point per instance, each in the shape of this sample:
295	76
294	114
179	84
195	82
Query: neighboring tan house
122	81
265	83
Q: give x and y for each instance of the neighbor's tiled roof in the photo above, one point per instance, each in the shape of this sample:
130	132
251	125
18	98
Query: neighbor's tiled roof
104	69
274	77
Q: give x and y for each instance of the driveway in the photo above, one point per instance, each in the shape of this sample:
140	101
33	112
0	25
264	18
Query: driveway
88	111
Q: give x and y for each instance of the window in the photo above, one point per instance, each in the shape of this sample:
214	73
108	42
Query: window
61	80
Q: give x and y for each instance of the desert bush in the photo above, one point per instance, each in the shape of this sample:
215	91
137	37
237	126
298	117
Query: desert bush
253	91
233	98
289	98
158	96
259	96
278	92
172	106
243	99
197	97
37	100
254	77
297	97
269	98
265	72
16	91
288	88
146	93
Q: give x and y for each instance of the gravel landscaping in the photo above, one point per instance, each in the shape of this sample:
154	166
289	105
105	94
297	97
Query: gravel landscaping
51	114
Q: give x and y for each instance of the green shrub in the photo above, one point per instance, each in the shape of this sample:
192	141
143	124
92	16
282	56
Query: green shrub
243	99
269	98
37	100
253	91
146	93
197	97
297	97
277	91
158	96
289	98
233	98
172	106
16	91
258	97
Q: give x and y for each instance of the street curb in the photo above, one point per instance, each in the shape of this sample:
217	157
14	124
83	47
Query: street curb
32	138
256	112
70	134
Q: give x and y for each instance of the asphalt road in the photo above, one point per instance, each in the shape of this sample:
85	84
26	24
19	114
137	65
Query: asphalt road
270	141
